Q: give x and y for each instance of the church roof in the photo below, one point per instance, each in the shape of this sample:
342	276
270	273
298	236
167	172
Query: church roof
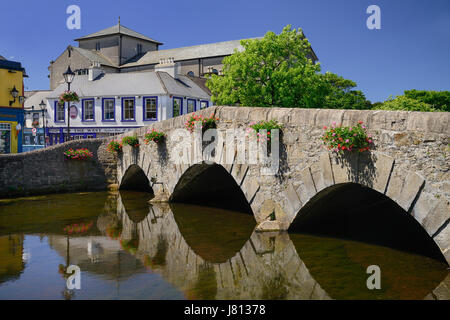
118	29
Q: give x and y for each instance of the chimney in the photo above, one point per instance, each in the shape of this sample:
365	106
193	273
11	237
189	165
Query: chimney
94	71
168	65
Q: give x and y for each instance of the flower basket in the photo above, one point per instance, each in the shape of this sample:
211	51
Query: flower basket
68	96
255	127
347	139
78	154
131	141
206	123
155	136
114	146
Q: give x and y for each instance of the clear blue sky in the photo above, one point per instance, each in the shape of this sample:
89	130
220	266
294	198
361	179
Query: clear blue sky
412	49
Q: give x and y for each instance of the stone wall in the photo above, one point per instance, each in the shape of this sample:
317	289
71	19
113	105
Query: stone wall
47	170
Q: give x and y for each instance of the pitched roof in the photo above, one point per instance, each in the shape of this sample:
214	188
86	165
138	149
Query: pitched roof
117	29
34	98
95	56
216	49
2	58
132	84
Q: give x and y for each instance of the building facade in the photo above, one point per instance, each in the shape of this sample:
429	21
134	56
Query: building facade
11	106
112	103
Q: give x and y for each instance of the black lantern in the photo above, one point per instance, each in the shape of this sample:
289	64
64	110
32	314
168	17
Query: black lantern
14	94
69	75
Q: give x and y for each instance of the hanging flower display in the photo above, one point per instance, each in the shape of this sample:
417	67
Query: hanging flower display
68	96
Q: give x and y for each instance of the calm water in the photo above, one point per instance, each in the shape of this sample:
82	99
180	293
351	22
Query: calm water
128	249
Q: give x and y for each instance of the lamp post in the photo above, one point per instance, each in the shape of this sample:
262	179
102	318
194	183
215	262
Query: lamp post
68	78
44	110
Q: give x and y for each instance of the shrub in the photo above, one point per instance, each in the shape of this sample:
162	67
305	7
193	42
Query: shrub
131	141
207	123
78	154
403	103
155	136
114	146
340	139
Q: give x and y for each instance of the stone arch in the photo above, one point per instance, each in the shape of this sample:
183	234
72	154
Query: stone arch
134	178
212	181
380	173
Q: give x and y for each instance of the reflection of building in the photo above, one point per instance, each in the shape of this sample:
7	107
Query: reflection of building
11	106
11	264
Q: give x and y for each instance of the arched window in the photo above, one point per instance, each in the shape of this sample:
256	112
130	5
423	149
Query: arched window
215	71
190	73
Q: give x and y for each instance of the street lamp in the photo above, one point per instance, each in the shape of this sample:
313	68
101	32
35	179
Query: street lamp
68	78
43	106
14	94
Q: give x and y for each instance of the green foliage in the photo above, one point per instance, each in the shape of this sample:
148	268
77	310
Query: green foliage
404	103
276	70
341	94
439	100
340	139
155	136
131	141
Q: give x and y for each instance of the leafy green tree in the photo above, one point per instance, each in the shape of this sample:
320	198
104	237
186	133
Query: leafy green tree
404	103
439	100
276	70
342	95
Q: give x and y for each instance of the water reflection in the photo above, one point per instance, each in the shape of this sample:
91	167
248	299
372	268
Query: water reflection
127	248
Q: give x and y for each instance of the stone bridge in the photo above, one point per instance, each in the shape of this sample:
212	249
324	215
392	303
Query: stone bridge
409	165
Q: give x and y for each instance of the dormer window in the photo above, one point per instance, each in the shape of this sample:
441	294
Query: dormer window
97	46
139	48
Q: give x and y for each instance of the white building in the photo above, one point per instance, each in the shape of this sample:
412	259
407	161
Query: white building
112	103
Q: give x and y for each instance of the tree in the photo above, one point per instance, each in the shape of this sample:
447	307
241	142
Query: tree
405	104
341	95
276	70
439	100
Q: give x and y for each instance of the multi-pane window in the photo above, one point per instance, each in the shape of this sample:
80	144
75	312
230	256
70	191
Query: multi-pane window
190	105
177	103
108	109
59	112
203	104
88	110
139	48
128	109
5	138
97	46
150	108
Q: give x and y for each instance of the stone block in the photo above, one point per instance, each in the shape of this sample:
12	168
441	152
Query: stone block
436	217
306	190
374	170
326	117
413	184
292	200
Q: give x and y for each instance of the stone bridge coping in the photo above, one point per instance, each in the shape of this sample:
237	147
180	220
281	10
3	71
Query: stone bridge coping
398	121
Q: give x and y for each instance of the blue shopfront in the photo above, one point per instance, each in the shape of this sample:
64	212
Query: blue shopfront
11	125
58	135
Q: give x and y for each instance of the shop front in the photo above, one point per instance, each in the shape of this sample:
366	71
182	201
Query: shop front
11	124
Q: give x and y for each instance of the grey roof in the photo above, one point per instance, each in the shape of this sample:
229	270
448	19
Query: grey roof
132	84
186	53
117	29
34	98
94	56
2	58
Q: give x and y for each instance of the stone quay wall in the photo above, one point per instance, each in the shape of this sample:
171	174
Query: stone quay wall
48	171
